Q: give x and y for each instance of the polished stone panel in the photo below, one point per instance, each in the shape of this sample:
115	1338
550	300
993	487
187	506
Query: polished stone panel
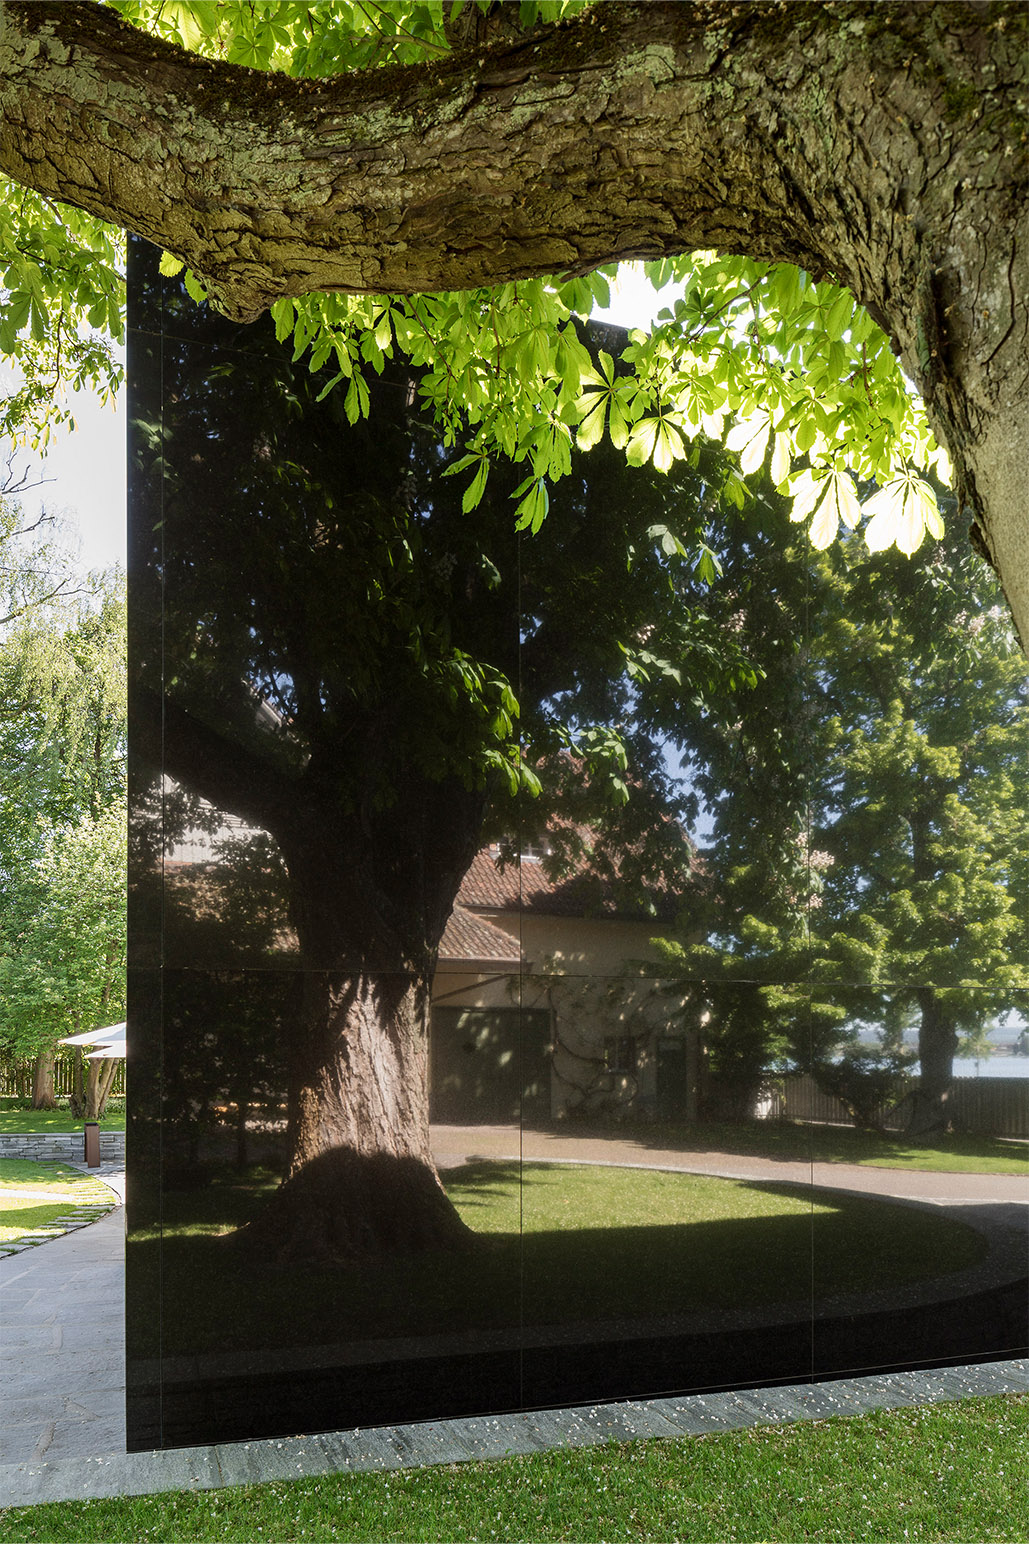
451	1099
659	1254
921	1261
264	1328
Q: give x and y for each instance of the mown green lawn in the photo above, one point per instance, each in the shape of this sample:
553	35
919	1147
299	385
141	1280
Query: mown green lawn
556	1242
17	1116
938	1474
23	1212
18	1217
60	1178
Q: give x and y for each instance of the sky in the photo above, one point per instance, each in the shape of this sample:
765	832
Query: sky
85	467
84	482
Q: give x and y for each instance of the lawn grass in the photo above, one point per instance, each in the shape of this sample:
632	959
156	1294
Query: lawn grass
18	1217
60	1178
16	1115
797	1141
596	1243
24	1213
937	1474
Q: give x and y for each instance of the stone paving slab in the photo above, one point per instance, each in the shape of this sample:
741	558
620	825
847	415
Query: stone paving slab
439	1442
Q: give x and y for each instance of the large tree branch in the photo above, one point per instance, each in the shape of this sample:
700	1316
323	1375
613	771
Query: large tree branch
634	131
207	764
884	144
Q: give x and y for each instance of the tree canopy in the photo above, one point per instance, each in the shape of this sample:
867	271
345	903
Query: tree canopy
439	183
869	818
62	799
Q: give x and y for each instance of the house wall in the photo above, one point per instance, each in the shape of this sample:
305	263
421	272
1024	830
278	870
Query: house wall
606	1027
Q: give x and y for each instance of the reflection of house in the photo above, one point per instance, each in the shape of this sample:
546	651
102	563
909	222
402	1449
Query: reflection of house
537	1010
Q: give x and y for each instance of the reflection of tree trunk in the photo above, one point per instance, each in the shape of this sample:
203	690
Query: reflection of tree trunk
369	901
361	1179
43	1096
937	1045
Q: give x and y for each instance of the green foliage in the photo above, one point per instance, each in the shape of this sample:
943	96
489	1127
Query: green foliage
61	310
62	965
62	796
869	816
62	701
790	368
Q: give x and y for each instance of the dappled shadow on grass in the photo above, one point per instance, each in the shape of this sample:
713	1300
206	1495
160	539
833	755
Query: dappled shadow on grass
17	1218
748	1247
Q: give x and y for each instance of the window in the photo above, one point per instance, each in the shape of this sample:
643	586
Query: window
620	1053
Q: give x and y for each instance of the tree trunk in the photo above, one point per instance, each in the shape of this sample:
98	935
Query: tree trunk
98	1086
937	1047
883	145
43	1096
78	1098
361	1179
370	896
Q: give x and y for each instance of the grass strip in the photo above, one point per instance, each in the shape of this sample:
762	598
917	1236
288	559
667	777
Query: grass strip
589	1242
56	1178
937	1474
17	1218
18	1118
24	1213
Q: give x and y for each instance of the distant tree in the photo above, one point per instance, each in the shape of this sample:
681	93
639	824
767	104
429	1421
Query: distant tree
62	799
62	949
920	734
869	840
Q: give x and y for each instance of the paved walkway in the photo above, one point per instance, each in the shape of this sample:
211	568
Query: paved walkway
62	1350
454	1145
62	1428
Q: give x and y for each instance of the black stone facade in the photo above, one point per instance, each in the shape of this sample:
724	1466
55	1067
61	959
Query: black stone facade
238	578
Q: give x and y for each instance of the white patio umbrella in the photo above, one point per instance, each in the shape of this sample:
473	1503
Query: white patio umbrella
110	1042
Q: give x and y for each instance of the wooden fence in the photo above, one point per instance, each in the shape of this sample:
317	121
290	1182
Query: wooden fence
16	1076
997	1107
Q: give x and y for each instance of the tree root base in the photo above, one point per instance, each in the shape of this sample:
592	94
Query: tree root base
346	1206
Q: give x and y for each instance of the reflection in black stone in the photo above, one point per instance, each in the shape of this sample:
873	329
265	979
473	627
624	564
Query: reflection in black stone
143	1133
251	1338
324	652
937	1278
337	639
919	808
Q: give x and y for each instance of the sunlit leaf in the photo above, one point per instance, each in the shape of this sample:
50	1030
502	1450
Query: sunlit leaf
750	438
900	513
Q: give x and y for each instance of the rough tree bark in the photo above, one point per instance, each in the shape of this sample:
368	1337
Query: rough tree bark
43	1096
882	144
370	894
99	1082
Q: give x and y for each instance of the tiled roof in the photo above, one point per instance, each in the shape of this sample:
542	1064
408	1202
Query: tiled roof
525	886
467	938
